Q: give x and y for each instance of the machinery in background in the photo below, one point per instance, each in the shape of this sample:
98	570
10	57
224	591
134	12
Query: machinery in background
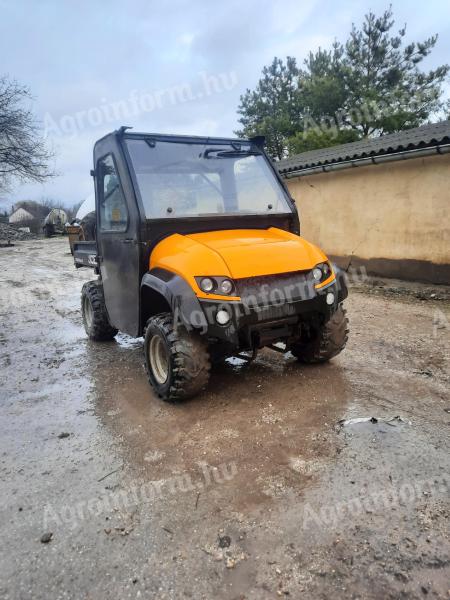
82	228
55	222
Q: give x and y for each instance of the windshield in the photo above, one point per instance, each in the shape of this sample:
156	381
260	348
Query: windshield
189	180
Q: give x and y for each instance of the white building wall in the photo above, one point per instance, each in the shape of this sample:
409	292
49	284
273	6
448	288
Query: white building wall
20	215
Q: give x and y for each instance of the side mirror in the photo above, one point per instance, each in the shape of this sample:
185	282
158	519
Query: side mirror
259	141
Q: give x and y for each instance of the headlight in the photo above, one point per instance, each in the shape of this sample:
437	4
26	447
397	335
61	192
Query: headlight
321	272
317	273
223	286
207	284
226	286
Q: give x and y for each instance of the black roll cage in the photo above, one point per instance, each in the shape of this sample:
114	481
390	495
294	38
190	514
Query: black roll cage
165	225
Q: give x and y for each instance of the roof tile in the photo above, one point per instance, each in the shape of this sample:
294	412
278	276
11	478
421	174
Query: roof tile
432	134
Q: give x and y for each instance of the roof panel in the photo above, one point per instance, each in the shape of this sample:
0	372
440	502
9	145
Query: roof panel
432	134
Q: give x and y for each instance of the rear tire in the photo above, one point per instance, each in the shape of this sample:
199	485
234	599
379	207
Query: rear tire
93	310
329	341
177	362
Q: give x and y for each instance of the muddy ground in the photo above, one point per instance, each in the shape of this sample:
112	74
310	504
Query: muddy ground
251	490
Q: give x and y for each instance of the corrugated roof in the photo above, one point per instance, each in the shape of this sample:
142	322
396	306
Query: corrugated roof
425	136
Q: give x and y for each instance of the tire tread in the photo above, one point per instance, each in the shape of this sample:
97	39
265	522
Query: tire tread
189	356
330	341
100	330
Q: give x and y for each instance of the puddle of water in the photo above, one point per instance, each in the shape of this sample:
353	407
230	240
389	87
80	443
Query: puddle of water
126	341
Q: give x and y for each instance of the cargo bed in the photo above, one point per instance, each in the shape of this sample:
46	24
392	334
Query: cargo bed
85	254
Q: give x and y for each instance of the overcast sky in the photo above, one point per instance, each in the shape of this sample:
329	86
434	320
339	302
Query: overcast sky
174	67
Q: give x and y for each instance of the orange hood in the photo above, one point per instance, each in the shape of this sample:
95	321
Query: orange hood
235	253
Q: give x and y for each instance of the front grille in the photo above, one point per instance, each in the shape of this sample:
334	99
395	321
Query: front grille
276	290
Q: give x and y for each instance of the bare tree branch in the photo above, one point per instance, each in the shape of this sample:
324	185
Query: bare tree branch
24	155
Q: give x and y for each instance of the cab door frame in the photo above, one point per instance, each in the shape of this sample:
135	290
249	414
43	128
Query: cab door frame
119	251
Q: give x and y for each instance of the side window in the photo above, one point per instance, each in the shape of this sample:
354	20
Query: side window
112	206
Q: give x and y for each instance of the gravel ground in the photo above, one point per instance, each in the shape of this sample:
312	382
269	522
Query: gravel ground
255	489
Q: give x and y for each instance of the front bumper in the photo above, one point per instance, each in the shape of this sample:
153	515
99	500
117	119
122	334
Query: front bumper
272	314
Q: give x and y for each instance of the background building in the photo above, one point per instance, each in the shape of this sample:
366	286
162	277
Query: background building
19	215
28	213
382	203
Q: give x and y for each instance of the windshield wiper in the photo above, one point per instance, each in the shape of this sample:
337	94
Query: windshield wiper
221	153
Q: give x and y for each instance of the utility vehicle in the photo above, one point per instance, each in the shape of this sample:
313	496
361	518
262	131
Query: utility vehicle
55	222
198	249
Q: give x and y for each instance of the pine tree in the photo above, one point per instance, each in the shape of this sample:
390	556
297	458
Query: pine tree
368	86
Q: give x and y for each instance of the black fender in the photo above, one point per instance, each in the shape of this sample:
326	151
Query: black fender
341	283
180	297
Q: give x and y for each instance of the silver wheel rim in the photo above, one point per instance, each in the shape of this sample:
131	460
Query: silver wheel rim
159	359
88	312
